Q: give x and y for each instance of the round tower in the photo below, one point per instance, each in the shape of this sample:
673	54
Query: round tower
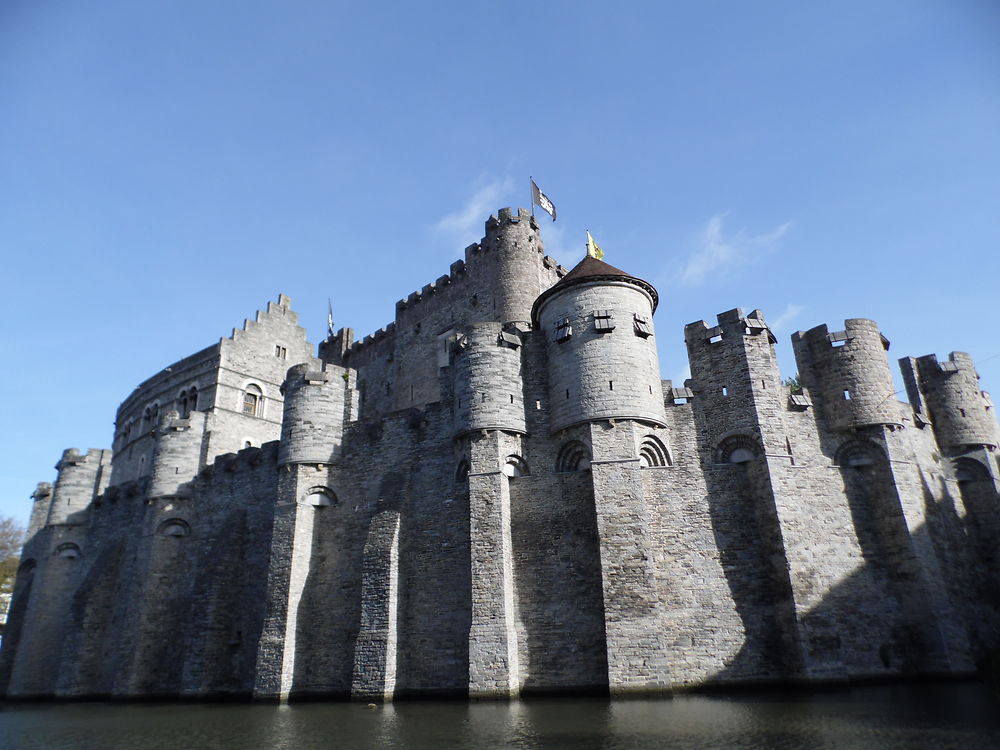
602	360
849	373
312	426
513	250
176	454
959	410
77	484
41	502
489	391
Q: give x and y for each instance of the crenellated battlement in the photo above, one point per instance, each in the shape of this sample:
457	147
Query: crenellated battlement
731	323
947	394
848	373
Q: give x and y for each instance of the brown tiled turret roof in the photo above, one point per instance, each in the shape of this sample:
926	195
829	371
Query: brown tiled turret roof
588	270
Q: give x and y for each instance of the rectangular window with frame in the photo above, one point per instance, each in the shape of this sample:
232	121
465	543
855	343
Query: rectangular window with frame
563	330
604	321
641	325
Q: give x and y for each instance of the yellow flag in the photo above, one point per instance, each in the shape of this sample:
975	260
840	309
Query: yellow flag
593	249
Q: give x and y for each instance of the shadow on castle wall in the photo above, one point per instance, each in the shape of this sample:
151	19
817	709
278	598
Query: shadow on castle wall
875	623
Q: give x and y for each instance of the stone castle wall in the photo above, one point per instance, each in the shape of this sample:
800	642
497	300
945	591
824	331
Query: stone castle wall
424	512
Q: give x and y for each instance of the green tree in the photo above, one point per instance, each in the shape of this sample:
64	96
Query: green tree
794	383
11	539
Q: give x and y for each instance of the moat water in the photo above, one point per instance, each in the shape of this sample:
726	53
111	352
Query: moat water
963	716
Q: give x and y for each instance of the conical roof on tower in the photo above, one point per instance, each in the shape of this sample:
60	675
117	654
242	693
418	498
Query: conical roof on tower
588	270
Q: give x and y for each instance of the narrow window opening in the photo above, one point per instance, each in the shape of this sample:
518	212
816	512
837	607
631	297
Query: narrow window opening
484	397
715	339
650	389
563	330
847	395
962	411
538	405
567	393
725	391
512	398
280	352
611	385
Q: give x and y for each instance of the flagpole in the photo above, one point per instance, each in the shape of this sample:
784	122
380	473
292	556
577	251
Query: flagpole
531	195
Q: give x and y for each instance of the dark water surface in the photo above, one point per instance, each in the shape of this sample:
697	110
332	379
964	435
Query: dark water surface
925	716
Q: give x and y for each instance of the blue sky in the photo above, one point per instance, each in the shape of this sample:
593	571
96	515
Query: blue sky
166	168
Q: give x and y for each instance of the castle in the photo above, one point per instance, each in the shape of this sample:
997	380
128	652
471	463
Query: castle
496	494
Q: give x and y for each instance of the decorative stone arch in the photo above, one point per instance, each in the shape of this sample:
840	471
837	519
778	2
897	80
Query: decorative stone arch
970	470
737	449
573	456
515	466
320	497
980	498
653	453
68	551
252	399
175	527
858	454
462	471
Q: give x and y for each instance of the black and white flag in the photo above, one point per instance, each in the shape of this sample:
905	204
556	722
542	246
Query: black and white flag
541	200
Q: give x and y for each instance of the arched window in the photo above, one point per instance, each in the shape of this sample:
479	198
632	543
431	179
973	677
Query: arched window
652	452
193	399
68	551
574	456
253	401
737	449
515	466
320	497
154	414
462	472
182	404
174	527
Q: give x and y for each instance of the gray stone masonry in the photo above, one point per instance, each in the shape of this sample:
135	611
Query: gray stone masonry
497	495
948	395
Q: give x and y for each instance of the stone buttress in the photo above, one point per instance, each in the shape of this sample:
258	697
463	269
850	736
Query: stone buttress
603	372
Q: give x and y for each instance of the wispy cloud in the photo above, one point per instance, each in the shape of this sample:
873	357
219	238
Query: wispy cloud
790	313
465	225
720	254
559	245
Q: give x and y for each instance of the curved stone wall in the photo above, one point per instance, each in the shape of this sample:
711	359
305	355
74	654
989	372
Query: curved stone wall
605	368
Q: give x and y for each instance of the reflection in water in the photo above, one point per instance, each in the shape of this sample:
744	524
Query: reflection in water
963	717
